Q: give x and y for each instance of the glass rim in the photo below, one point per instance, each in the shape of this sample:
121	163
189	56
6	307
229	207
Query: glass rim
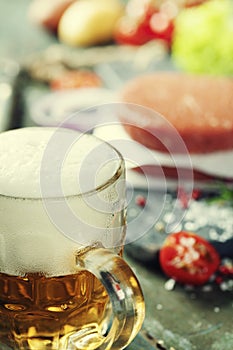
117	173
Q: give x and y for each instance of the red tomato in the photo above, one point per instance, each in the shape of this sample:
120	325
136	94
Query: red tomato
146	20
188	258
135	30
130	32
162	26
138	31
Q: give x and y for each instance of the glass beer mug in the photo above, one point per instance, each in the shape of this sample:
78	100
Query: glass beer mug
63	282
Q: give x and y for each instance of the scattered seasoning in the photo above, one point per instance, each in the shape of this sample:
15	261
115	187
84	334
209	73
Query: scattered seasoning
163	339
169	217
223	194
215	221
160	227
190	226
196	194
207	288
132	212
224	342
226	286
185	196
208	214
218	280
216	309
140	200
189	287
227	267
149	336
224	275
170	284
160	345
159	306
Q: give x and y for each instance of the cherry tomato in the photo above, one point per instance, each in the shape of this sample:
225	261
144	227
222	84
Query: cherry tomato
76	79
129	31
188	258
146	20
150	25
162	26
134	28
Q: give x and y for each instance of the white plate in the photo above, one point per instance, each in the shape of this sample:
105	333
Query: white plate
58	108
218	164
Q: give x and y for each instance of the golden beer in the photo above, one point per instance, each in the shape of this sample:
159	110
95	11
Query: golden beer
63	282
38	312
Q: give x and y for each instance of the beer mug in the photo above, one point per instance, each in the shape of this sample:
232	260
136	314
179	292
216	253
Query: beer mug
63	282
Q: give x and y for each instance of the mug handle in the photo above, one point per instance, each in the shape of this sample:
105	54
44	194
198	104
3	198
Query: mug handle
124	292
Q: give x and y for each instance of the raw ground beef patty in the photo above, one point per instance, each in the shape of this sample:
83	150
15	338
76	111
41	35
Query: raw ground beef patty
199	107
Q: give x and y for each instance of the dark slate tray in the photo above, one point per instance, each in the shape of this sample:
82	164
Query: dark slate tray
210	216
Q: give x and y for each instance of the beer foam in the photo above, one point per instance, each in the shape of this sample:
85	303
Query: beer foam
43	162
31	157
